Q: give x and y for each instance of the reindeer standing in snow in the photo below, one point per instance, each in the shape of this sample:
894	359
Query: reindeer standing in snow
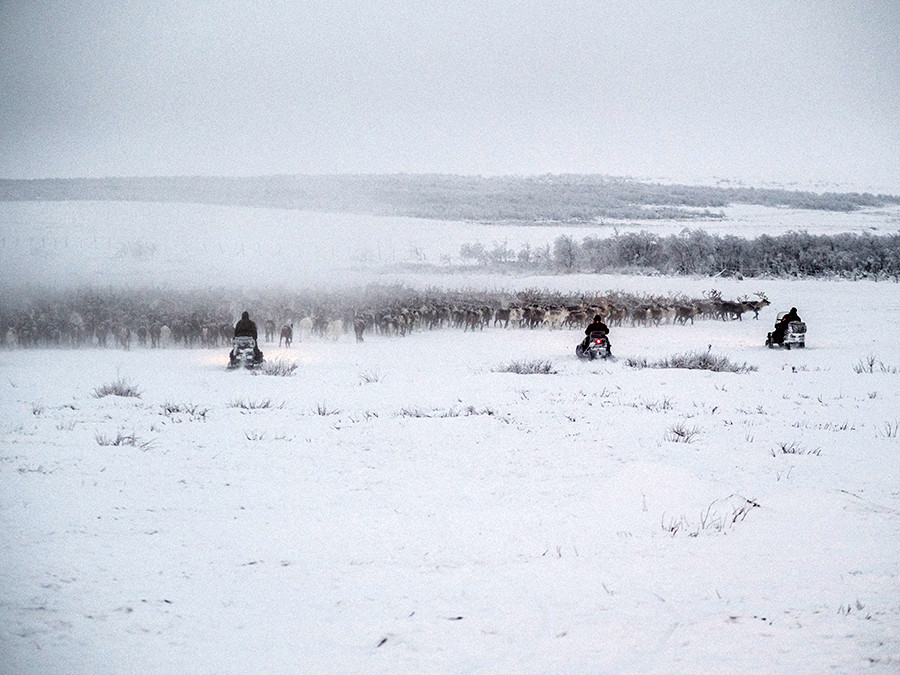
756	305
287	335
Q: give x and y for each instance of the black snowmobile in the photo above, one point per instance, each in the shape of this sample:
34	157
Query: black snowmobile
244	353
791	335
596	346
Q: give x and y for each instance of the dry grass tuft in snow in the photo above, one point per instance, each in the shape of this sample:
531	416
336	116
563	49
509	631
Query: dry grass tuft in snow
719	517
890	429
369	377
794	448
247	404
534	367
122	438
867	365
680	433
694	361
119	387
466	411
192	410
279	367
323	410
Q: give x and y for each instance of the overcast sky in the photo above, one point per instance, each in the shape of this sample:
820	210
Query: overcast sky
797	90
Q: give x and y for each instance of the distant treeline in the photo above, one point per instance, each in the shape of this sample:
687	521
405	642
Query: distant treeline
695	252
538	199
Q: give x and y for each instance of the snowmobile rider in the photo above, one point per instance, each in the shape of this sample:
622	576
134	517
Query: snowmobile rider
245	327
782	325
597	326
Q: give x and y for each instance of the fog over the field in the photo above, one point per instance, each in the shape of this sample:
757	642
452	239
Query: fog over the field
804	92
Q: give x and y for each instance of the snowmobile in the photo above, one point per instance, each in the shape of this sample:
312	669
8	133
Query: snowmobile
794	335
595	347
244	353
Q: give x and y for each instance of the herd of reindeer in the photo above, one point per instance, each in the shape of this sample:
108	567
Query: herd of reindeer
158	320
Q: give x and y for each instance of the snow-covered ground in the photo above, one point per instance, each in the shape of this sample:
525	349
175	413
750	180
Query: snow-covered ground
185	244
403	505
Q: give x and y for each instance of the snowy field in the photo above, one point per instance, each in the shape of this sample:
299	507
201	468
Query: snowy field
402	505
180	245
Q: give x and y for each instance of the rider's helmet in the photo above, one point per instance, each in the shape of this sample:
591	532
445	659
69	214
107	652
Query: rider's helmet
598	318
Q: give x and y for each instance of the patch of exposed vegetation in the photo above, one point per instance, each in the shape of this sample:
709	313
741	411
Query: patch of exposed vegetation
694	361
532	367
249	404
279	367
119	387
871	364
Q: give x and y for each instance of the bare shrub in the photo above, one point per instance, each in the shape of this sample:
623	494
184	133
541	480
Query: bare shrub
468	411
279	367
794	448
369	377
694	361
37	469
657	406
680	433
122	438
717	518
533	367
255	405
868	365
673	526
465	411
723	514
194	411
890	429
414	412
119	387
323	410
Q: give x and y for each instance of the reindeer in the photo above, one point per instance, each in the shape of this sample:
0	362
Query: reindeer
269	327
577	317
685	311
473	319
556	317
155	334
305	328
333	329
501	316
359	326
287	335
535	316
728	309
122	334
710	306
756	305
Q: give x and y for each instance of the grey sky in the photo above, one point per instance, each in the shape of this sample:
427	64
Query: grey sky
783	91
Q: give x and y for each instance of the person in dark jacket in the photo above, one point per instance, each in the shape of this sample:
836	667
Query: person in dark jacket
597	326
246	327
782	325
